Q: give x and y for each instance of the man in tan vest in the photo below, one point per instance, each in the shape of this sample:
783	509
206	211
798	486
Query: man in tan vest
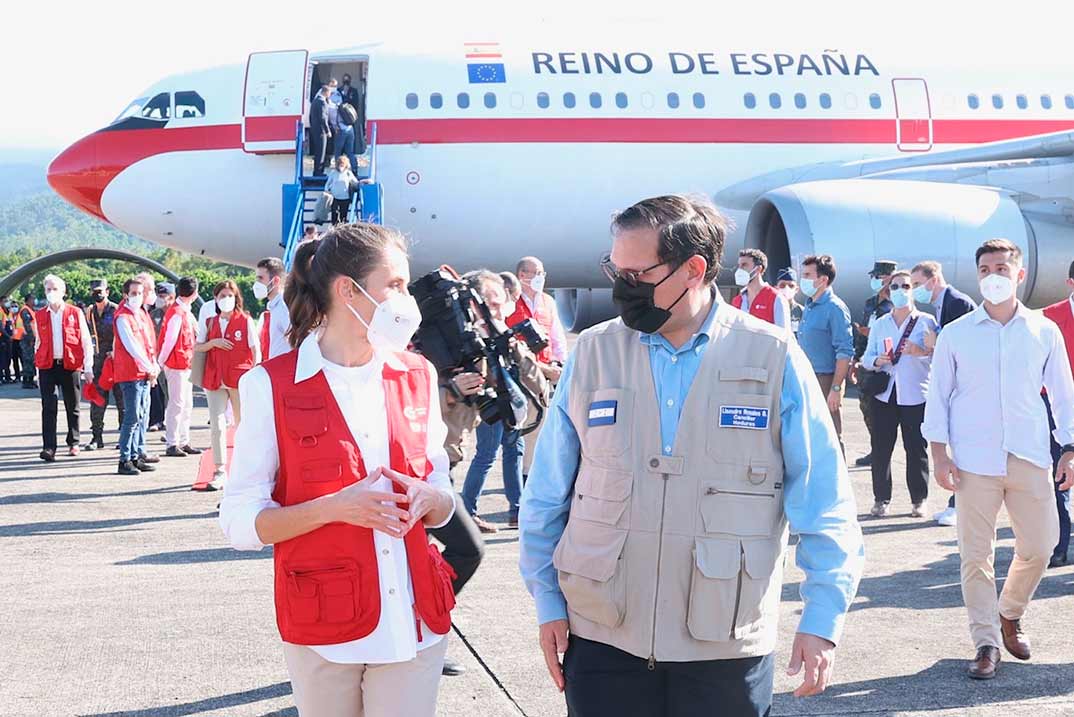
686	438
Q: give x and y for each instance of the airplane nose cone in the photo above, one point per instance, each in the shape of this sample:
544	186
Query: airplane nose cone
76	175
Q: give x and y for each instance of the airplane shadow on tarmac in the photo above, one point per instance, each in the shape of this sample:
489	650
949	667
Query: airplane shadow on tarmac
212	704
943	686
52	497
207	555
62	527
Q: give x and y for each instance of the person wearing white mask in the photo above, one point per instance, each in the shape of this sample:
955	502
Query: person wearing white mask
787	284
232	348
897	351
756	296
340	465
988	430
63	351
175	358
134	355
275	321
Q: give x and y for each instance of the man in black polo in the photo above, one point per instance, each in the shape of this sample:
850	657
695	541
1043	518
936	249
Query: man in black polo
876	306
100	315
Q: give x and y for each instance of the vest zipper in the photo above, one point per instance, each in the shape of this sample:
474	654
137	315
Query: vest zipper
659	553
717	491
738	590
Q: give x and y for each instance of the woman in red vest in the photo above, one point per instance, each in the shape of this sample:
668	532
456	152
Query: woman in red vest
230	342
339	464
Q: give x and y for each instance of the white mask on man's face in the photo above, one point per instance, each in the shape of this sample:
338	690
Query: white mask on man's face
135	302
537	283
996	288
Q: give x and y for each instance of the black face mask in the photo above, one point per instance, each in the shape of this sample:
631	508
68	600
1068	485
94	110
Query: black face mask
637	306
98	295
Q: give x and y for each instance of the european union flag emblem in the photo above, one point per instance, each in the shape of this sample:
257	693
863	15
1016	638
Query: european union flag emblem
487	72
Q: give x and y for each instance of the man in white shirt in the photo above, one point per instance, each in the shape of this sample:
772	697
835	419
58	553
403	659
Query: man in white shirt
984	402
276	320
59	364
175	360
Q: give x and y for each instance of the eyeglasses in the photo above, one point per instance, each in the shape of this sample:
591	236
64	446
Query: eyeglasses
901	286
629	276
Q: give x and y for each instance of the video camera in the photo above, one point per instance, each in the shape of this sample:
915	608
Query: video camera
457	334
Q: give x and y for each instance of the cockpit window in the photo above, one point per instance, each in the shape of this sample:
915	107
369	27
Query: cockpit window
160	107
134	109
189	104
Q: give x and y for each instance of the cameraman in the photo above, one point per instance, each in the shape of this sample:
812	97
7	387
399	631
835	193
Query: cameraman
490	437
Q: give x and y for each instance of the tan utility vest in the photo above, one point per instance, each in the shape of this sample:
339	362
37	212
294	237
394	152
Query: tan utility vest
677	557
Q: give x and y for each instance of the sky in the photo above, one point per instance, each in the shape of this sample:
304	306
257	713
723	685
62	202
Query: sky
87	60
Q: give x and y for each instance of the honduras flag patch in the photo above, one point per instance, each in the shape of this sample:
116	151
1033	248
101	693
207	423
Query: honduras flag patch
602	413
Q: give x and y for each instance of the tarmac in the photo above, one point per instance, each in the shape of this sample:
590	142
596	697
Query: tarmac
122	599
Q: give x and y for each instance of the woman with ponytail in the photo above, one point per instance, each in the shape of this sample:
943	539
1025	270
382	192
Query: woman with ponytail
339	464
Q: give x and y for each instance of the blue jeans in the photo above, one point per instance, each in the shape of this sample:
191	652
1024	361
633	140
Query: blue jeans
489	439
135	415
345	145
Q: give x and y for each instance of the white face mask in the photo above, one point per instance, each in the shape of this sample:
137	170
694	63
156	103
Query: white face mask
537	283
394	321
789	292
996	288
54	297
161	302
260	291
226	304
134	302
742	277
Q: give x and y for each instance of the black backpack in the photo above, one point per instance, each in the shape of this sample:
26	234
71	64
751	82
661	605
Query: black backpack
347	114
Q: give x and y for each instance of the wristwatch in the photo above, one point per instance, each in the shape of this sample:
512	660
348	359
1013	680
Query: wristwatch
1068	448
837	387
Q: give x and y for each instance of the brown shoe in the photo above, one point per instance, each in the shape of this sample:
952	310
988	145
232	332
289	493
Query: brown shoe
484	526
986	663
1014	639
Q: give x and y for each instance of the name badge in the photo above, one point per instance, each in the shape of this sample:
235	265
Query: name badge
744	417
602	413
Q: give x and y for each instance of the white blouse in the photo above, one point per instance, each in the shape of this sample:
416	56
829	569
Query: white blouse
359	391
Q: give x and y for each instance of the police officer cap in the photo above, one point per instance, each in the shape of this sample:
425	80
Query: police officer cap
787	274
883	267
98	284
165	288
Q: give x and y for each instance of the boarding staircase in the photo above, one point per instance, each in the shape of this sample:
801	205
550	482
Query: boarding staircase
300	196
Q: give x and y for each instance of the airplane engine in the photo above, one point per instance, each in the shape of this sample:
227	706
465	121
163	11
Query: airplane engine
581	308
860	220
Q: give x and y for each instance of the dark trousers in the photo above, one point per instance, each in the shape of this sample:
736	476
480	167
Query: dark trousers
1062	497
16	360
463	545
888	419
318	146
50	379
5	358
340	207
26	348
865	403
158	401
97	412
603	681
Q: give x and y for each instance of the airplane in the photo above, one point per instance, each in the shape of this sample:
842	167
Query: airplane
484	149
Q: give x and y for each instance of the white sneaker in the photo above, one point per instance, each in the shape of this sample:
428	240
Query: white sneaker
947	516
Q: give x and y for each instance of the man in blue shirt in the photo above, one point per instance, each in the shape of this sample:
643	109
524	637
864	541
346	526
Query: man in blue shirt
825	333
683	440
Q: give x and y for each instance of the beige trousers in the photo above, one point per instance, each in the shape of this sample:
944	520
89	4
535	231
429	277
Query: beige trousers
332	689
1027	492
218	401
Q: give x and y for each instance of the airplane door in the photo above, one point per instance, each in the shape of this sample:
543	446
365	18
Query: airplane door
913	114
273	100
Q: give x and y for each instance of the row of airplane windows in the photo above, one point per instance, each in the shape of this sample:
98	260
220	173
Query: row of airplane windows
697	99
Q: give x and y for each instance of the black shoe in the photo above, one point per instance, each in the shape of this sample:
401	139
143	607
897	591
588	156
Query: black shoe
127	468
175	452
866	460
190	450
141	465
1058	560
452	668
29	385
91	446
148	459
48	455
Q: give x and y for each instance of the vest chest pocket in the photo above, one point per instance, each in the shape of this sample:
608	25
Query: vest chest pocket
591	571
606	423
746	509
323	594
306	418
730	587
601	495
320	477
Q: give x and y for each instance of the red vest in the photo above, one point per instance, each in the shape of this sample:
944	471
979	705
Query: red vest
265	322
225	368
542	316
764	306
71	328
1060	313
126	368
182	356
327	584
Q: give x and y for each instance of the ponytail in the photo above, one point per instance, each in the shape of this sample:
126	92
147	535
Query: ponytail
352	250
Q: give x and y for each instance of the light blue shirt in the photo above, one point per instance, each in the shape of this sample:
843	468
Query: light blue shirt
824	332
817	496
